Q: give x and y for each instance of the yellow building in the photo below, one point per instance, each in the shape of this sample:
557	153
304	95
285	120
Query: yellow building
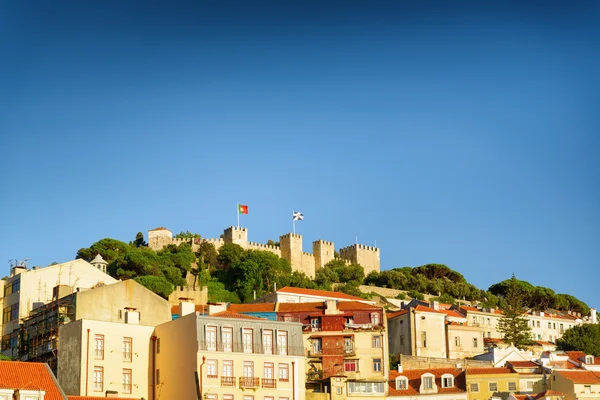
576	385
227	356
485	383
417	331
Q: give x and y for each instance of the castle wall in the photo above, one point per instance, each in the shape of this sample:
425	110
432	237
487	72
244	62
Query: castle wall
236	235
366	256
264	247
308	264
323	252
159	238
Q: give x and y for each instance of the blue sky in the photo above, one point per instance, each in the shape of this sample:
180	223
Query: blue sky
463	134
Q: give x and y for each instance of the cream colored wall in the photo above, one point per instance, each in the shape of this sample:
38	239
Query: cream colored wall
105	303
466	347
485	322
545	333
400	327
177	359
433	324
72	369
571	390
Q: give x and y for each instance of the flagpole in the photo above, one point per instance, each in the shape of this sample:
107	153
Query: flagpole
238	215
293	223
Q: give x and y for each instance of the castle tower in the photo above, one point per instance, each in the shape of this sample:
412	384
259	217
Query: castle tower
323	252
236	235
291	249
99	263
159	238
366	256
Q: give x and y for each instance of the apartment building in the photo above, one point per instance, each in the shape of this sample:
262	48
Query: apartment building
487	383
28	289
227	355
417	331
290	294
576	385
431	383
345	346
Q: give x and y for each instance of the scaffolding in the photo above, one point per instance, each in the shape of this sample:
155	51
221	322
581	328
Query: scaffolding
39	331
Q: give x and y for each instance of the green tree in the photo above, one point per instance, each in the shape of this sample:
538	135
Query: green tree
157	284
584	338
109	249
300	280
139	240
513	325
187	235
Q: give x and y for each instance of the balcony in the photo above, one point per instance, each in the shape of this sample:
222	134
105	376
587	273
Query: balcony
349	348
269	383
254	348
315	352
228	381
248	382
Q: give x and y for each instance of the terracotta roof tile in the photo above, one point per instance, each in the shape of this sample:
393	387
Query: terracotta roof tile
523	364
427	309
453	314
414	381
397	314
98	398
488	371
548	393
575	355
29	375
160	228
582	377
314	292
255	307
319	306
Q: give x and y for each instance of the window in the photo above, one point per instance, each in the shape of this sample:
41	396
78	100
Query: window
348	345
211	338
268	341
401	383
158	346
13	287
282	342
269	398
126	381
512	386
247	342
315	323
457	341
317	346
377	364
248	397
158	376
424	339
376	341
350	365
474	387
474	342
268	370
99	347
127	341
284	372
428	382
375	318
529	385
401	340
366	387
538	324
554	325
227	339
549	325
339	390
228	368
248	369
589	359
493	386
489	322
98	379
587	388
10	313
227	397
447	381
212	368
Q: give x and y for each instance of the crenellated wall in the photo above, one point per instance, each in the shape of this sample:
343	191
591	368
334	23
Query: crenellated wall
290	248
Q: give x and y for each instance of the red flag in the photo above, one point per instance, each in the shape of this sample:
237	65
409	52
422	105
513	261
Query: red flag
242	209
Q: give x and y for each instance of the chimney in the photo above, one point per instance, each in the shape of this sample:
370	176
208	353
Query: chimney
16	270
400	368
593	315
492	310
132	316
331	307
436	305
186	306
541	313
214	308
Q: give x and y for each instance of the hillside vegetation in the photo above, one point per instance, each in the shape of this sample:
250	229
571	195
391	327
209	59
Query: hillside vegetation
236	275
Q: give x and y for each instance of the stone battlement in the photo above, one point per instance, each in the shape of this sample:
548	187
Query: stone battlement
290	248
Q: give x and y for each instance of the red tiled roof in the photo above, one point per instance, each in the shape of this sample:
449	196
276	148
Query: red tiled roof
319	306
396	314
427	309
523	364
521	396
229	314
414	381
255	307
314	292
198	308
581	376
492	340
453	313
160	228
475	309
575	355
542	343
563	365
488	371
548	393
29	375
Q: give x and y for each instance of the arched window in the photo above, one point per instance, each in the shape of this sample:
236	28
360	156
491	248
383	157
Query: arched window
401	383
447	380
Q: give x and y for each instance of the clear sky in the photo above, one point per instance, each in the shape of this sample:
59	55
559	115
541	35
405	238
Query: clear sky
463	133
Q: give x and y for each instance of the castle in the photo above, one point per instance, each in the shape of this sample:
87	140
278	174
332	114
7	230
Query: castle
290	248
